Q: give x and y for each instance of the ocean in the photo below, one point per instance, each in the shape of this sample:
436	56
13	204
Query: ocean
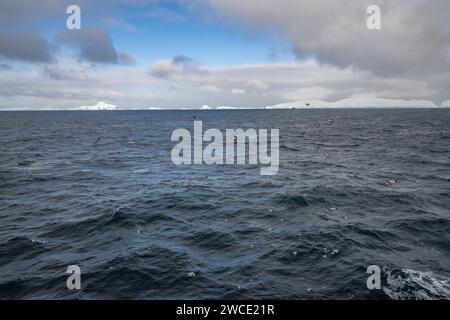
98	189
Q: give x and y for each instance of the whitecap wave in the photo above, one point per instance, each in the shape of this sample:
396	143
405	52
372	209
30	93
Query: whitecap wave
409	284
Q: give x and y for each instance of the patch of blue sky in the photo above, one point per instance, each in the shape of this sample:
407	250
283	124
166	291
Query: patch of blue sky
161	32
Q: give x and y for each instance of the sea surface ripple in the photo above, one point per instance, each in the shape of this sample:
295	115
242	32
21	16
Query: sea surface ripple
99	190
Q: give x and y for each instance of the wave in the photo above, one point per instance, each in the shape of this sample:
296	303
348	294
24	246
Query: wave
407	284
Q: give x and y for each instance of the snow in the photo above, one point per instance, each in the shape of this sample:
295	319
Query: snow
99	106
355	103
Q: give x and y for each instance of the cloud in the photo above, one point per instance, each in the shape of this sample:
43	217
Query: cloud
5	66
119	23
29	12
165	15
187	64
25	46
179	65
210	88
415	35
57	72
182	60
164	69
70	85
25	11
238	91
310	93
256	85
93	45
127	59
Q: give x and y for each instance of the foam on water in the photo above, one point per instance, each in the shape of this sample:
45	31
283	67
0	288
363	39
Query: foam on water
409	284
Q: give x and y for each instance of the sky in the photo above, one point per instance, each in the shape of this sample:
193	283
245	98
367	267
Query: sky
141	54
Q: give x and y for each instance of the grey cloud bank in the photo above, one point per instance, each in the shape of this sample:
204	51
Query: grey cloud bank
25	46
94	45
414	37
413	44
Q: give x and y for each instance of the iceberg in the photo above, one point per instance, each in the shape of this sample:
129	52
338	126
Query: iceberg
99	106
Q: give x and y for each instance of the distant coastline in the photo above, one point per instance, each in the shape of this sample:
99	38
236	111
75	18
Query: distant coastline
355	104
351	103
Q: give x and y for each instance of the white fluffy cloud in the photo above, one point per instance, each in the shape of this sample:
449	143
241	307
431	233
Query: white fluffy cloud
260	85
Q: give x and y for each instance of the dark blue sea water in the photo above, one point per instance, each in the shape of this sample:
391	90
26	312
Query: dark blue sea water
99	190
